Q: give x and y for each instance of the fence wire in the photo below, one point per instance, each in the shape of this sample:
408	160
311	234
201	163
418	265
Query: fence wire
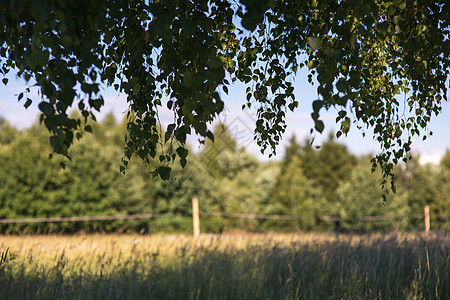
216	214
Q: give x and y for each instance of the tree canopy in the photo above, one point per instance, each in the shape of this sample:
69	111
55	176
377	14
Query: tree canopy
380	64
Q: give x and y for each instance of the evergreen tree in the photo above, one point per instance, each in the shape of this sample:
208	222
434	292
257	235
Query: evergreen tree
334	165
360	196
420	183
217	156
7	132
310	159
290	151
294	193
445	161
32	185
440	208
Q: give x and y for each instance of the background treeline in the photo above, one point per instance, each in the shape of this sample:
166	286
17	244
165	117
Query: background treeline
309	183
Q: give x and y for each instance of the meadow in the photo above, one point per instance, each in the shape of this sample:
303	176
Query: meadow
230	266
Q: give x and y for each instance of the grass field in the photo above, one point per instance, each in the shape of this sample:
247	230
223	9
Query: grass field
233	266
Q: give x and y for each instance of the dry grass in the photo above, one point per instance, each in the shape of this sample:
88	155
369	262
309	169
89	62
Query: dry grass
232	266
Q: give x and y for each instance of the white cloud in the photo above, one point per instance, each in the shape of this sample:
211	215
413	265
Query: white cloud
430	158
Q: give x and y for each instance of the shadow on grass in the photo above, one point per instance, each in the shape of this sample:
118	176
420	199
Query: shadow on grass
341	269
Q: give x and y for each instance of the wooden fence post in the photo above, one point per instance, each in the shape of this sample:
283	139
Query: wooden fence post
427	219
195	219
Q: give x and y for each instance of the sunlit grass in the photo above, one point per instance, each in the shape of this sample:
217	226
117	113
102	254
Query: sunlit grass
233	266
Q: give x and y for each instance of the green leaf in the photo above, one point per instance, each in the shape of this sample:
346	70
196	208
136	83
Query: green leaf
314	43
5	81
182	152
183	162
96	103
342	85
345	125
341	115
136	89
169	132
210	135
317	105
46	108
319	125
164	172
28	103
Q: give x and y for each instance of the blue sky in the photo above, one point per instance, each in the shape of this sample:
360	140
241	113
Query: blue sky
241	122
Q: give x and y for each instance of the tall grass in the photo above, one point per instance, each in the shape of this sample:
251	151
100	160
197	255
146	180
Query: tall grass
288	266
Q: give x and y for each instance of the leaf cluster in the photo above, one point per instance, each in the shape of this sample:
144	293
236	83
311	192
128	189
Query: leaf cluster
184	54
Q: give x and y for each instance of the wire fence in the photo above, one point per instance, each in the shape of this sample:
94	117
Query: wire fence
83	219
297	218
216	214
